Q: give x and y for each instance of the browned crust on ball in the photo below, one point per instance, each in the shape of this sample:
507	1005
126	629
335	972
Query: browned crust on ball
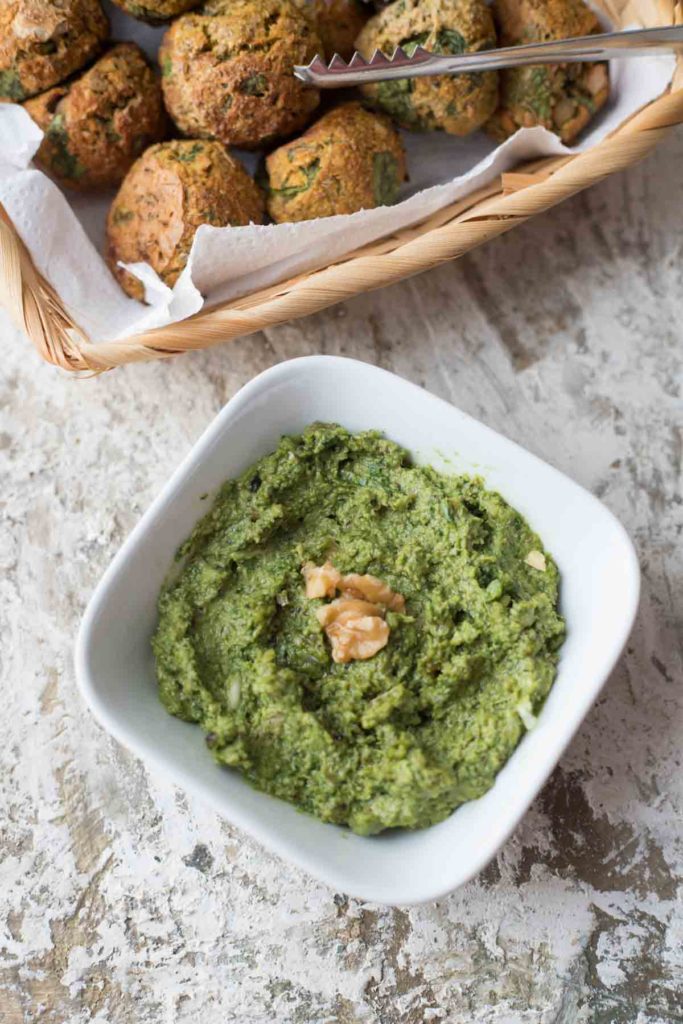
42	42
338	23
96	127
563	98
156	12
169	192
351	159
227	71
457	104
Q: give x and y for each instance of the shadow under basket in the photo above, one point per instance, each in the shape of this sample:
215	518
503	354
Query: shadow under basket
488	212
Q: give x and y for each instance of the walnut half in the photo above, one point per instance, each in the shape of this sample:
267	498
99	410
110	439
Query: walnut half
354	623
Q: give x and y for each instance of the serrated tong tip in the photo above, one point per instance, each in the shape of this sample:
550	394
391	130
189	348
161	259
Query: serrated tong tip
318	71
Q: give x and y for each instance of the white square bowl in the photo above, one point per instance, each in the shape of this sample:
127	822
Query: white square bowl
599	598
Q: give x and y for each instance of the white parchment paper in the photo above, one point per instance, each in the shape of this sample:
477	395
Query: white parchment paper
65	234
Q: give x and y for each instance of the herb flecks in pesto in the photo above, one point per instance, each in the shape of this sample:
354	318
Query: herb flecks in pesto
404	737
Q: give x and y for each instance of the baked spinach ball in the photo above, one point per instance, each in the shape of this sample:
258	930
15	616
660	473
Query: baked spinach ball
227	71
42	42
168	193
457	104
351	159
338	23
98	125
562	98
156	11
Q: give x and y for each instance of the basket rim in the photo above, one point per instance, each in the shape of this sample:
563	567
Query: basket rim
511	199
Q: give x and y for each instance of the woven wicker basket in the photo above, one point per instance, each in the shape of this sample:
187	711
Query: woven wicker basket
454	230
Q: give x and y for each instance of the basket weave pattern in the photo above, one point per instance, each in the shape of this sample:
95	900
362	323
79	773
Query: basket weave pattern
454	230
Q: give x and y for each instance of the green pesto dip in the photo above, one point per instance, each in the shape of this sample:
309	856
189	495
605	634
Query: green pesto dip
403	738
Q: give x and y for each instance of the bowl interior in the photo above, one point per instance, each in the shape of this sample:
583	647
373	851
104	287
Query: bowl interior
599	599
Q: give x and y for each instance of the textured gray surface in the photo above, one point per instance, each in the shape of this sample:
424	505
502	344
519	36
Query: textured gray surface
124	901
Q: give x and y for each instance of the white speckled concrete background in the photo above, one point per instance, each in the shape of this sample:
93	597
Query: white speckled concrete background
123	902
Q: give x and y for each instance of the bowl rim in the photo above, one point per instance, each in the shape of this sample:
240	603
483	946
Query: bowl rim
175	770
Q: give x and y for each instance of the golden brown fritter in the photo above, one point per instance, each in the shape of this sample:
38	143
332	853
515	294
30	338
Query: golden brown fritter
167	194
457	104
338	23
351	159
227	71
155	12
44	41
97	126
562	98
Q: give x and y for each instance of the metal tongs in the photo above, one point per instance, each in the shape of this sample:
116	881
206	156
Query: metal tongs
420	63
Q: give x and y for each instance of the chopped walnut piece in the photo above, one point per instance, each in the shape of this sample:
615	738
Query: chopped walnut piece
536	559
372	589
321	580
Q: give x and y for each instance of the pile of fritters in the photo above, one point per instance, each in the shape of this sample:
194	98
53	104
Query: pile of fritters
224	78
